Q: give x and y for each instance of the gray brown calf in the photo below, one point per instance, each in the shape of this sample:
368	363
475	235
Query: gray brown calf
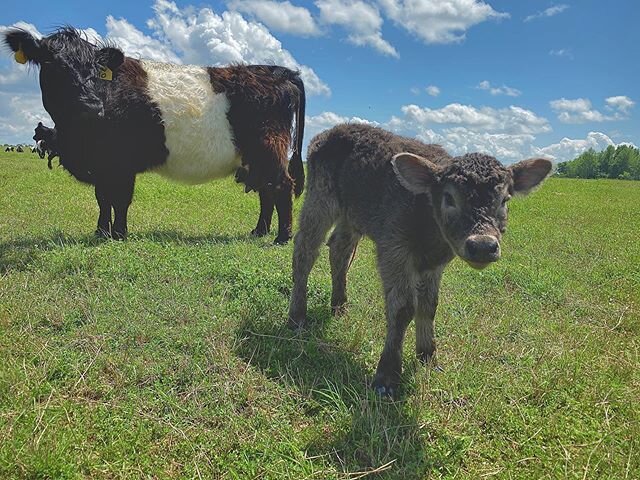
420	206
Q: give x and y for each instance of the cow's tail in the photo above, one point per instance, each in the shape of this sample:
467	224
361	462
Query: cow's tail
296	169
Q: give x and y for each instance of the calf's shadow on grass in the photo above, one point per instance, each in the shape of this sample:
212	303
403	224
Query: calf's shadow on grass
353	428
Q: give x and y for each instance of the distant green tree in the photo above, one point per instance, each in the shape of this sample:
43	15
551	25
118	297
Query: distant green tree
621	162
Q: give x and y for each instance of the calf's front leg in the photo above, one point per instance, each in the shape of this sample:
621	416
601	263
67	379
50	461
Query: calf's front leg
400	307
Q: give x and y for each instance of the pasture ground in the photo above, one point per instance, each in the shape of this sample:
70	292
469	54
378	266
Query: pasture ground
167	356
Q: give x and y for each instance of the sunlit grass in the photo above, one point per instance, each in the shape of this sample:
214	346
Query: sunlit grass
167	356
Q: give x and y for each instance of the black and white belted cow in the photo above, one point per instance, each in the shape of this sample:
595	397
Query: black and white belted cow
116	116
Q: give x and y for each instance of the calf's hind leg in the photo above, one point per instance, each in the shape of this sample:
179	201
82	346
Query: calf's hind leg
342	250
315	221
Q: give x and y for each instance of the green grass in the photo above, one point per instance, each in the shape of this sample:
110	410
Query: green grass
167	356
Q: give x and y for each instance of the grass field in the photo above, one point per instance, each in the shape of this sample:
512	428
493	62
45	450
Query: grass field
167	356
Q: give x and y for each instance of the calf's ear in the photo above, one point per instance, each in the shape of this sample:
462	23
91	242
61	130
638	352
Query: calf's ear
528	174
26	47
110	57
415	173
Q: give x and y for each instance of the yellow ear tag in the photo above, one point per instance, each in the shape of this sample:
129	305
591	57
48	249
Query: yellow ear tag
20	56
106	74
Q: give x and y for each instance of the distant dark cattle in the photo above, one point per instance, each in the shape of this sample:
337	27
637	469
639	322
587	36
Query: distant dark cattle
47	142
8	149
117	116
420	206
19	149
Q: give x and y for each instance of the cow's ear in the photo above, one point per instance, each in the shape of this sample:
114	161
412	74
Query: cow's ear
110	57
25	46
39	124
528	174
415	173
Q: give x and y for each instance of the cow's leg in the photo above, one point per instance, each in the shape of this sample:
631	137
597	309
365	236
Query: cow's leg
342	250
267	202
316	218
121	196
104	219
427	303
284	206
399	306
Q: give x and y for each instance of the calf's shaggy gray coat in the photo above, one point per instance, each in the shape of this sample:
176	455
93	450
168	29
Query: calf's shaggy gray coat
419	205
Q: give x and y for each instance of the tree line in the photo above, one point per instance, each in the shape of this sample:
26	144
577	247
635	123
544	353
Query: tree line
621	162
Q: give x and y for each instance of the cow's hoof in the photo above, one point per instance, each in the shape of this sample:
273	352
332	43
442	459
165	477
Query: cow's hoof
282	240
259	232
119	236
102	234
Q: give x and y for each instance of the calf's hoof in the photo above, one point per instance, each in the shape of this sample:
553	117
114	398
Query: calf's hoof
338	309
386	383
427	357
384	392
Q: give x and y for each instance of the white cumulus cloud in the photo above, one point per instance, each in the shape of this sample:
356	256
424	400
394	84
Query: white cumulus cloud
437	21
279	16
317	123
548	12
621	103
433	90
569	148
361	19
204	37
136	44
513	119
503	90
580	110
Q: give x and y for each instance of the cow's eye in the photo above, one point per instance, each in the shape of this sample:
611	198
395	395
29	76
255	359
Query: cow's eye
449	202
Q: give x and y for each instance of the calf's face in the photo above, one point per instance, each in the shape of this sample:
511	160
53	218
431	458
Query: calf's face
469	196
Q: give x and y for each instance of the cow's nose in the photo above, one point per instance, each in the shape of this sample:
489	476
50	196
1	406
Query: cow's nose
482	248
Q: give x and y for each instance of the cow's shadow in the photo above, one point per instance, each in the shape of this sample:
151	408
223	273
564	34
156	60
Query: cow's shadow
366	432
18	254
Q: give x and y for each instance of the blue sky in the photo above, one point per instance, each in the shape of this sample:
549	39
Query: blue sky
511	78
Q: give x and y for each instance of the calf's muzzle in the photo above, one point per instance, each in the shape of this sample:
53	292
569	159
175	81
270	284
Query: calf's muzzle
481	250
